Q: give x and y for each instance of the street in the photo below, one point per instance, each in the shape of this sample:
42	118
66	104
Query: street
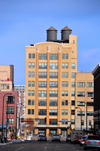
42	146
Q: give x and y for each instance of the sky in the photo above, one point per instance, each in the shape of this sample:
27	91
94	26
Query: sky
24	22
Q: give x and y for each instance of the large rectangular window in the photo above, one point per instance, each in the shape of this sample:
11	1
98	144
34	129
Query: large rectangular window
53	84
72	121
81	84
81	94
72	112
42	122
72	93
42	102
42	65
10	110
79	113
53	102
53	93
53	112
90	103
90	113
42	112
42	84
42	74
10	99
42	56
80	103
42	94
53	56
64	74
90	94
53	74
53	65
90	84
52	121
73	102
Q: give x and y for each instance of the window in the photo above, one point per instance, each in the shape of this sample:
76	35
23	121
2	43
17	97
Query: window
42	112
73	93
53	84
63	102
62	112
42	74
32	92
33	65
42	65
33	83
66	112
52	121
53	93
73	65
72	121
81	94
33	74
73	74
10	99
63	84
66	65
29	102
32	111
90	84
29	74
66	121
10	110
63	55
66	84
42	94
29	65
79	113
42	122
53	65
62	93
66	93
66	102
81	84
53	74
42	102
66	74
63	65
67	55
29	111
62	120
53	103
73	102
53	112
90	103
90	94
29	93
89	123
29	83
63	74
73	84
53	56
29	55
82	122
32	102
33	55
42	56
42	84
80	103
72	112
11	121
90	113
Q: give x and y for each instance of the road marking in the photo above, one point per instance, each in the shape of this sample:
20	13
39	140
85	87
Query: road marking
19	148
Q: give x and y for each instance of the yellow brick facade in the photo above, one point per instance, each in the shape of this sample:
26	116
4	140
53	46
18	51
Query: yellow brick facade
60	49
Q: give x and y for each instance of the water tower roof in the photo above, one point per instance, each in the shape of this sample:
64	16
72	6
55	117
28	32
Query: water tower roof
66	28
52	28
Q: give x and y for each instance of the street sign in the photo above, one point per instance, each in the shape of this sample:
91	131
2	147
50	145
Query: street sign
64	121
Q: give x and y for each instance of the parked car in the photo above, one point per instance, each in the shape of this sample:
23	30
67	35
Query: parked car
56	138
68	138
77	139
92	141
43	138
40	135
82	140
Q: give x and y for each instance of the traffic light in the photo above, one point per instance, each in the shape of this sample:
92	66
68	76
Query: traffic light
50	121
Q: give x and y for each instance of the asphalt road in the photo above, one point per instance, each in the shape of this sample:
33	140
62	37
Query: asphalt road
42	146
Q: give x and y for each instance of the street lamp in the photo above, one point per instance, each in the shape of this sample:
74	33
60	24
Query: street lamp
3	111
81	116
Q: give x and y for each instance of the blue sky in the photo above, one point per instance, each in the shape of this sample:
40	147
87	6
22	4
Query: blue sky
23	22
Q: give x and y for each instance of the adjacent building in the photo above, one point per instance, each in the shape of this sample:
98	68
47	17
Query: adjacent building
96	74
54	88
